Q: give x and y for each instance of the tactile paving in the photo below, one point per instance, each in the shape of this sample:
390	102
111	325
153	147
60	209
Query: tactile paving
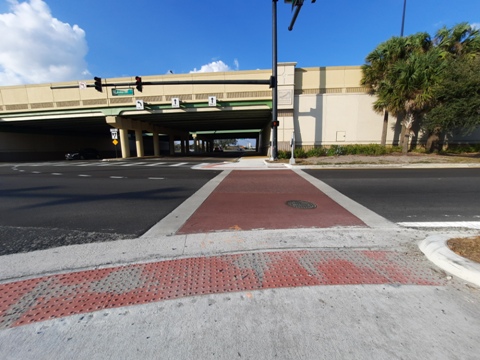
56	296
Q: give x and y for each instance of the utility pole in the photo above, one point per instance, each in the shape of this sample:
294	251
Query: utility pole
274	154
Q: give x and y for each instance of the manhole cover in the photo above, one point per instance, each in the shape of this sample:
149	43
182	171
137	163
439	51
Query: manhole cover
301	204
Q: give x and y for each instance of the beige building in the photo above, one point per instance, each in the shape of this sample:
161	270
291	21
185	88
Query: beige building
321	105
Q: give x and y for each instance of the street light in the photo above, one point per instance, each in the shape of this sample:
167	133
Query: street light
297	4
403	17
273	83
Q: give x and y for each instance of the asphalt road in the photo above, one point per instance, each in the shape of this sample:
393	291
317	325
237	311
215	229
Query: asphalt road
411	195
46	205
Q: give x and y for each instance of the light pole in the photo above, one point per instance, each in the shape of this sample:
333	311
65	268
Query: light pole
296	6
274	154
403	17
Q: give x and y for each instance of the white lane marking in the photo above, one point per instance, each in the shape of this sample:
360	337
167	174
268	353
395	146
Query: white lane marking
82	175
133	164
57	174
155	164
39	164
369	217
179	164
117	177
113	163
84	164
36	172
443	224
170	224
156	178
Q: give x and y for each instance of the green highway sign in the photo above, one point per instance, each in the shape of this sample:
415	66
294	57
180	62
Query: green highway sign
122	92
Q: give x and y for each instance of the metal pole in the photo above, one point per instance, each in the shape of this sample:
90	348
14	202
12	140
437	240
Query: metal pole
292	147
403	17
295	14
274	74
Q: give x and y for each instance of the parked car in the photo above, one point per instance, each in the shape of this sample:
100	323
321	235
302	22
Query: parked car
83	154
218	149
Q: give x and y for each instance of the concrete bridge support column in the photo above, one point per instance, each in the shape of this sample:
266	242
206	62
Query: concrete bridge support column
139	142
265	141
171	144
123	125
156	145
124	143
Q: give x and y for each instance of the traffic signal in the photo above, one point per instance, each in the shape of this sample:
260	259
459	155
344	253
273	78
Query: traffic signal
273	82
98	83
138	81
275	123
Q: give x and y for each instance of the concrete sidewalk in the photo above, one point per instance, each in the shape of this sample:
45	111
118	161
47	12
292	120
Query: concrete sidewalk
358	289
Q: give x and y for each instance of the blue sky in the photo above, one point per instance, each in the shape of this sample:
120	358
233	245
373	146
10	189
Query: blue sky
46	41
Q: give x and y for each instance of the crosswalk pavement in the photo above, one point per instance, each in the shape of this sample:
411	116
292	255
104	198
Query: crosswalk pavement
102	164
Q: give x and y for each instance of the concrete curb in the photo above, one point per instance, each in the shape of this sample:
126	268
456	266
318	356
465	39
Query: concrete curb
437	251
390	166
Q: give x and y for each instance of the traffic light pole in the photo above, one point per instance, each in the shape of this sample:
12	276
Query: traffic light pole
179	82
274	154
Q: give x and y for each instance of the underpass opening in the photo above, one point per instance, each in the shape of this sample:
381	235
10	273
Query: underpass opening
50	136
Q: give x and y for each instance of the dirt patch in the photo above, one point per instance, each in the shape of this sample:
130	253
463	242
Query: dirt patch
466	247
393	158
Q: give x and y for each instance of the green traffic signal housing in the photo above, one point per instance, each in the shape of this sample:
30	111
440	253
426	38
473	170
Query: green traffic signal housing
98	83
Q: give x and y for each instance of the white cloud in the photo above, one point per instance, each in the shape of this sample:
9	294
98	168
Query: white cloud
215	66
37	48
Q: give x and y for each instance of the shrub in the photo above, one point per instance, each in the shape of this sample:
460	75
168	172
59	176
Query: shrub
335	150
316	152
300	153
282	154
463	148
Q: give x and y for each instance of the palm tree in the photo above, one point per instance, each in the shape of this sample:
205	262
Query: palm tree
461	40
380	64
415	79
404	72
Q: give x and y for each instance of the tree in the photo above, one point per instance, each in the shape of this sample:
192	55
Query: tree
415	79
381	69
380	64
405	74
458	99
461	40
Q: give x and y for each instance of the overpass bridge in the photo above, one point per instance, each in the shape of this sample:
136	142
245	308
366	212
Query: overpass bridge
69	116
323	106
